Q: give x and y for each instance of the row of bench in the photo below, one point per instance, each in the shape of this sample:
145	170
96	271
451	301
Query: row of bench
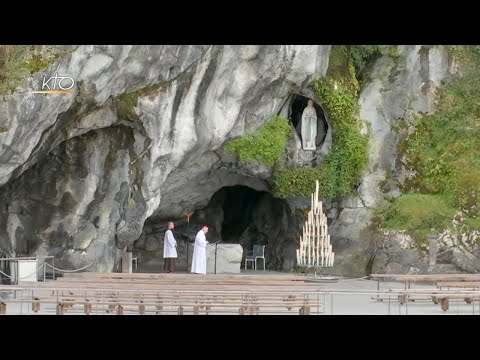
172	294
442	282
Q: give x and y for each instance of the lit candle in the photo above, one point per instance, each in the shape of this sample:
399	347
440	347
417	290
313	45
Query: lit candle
309	247
301	247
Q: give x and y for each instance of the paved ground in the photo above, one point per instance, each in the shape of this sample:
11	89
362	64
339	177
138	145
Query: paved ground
357	304
363	304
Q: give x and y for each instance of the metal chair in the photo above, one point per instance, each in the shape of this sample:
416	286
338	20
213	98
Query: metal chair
258	252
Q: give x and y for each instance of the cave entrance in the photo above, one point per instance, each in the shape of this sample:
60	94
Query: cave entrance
241	215
235	214
299	103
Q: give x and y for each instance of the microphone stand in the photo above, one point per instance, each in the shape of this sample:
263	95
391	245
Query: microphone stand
216	243
186	269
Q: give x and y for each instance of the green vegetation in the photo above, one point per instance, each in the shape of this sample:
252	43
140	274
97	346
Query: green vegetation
12	67
338	97
467	56
443	151
419	213
348	157
131	98
298	181
39	61
127	102
18	61
362	55
337	175
73	49
266	146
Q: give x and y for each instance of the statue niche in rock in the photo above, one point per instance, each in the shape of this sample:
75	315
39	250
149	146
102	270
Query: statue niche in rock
309	127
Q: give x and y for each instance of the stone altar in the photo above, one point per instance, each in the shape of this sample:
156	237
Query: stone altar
229	258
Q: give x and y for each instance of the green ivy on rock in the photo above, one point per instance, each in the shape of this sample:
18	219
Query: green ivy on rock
348	157
267	146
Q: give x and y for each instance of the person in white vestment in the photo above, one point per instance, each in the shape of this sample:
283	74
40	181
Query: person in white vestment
169	249
199	262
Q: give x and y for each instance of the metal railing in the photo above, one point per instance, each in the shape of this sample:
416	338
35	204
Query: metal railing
15	261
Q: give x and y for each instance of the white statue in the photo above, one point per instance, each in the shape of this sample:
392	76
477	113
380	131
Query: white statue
309	127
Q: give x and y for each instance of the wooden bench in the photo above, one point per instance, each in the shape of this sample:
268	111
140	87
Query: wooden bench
439	296
428	278
250	303
474	285
178	293
459	284
402	298
444	299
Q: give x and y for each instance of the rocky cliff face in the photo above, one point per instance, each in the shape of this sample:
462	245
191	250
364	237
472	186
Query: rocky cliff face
396	90
81	173
89	175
